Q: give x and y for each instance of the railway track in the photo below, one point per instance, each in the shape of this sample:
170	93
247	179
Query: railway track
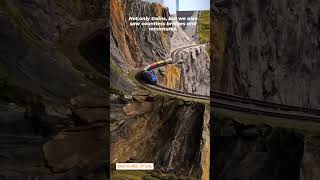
239	103
171	91
264	104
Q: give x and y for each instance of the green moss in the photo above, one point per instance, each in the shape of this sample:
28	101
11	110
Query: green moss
134	175
116	91
7	8
204	27
115	68
146	175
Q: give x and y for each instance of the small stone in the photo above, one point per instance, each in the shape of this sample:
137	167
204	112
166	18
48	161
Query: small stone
189	103
90	115
181	103
75	148
114	97
89	101
127	97
162	70
12	104
140	98
140	93
132	109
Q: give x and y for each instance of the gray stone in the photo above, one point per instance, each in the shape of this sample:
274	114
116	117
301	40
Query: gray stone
274	52
89	101
91	115
133	109
75	148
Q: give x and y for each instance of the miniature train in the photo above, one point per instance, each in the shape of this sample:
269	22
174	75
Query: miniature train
147	73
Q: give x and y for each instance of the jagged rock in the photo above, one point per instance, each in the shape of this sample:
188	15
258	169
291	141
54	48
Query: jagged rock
188	103
205	145
52	20
22	157
191	31
310	166
228	131
77	147
169	136
181	103
140	98
90	115
89	109
40	47
60	111
162	70
89	101
21	143
114	97
195	72
127	97
134	109
274	155
152	128
172	78
250	132
192	75
140	93
267	50
24	55
131	46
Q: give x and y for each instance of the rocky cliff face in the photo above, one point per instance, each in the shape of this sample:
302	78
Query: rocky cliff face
195	71
134	46
36	47
146	127
244	152
310	161
192	74
50	89
191	31
50	20
267	50
162	130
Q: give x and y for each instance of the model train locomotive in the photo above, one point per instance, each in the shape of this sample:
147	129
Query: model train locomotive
147	73
149	77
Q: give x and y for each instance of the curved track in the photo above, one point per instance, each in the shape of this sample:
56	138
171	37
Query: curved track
169	91
238	103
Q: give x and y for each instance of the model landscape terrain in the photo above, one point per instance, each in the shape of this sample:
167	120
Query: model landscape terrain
149	124
267	51
53	115
57	91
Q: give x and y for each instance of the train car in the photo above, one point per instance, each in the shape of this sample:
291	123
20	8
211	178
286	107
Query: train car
157	64
148	74
149	77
